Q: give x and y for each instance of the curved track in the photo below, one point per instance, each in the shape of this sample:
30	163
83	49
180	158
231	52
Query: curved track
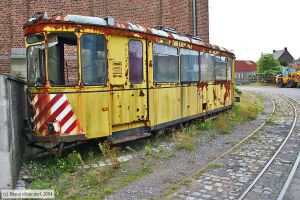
255	168
244	194
235	146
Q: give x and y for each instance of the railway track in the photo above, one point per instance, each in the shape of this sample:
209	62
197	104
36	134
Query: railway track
263	173
250	169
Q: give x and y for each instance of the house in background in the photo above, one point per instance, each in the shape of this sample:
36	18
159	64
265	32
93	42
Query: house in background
243	70
294	65
283	56
297	61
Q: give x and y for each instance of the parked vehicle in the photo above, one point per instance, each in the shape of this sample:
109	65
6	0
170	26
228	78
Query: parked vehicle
90	77
289	77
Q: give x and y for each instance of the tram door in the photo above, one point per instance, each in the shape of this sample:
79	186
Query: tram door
128	81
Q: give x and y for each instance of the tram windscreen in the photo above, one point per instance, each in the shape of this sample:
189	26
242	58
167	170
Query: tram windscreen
62	59
36	75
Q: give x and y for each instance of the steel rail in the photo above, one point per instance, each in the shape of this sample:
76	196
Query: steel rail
246	138
238	144
274	156
292	172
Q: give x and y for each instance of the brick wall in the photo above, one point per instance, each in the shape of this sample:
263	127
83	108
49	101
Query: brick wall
173	13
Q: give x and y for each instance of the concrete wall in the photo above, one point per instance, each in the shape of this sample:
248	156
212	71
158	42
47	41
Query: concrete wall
12	142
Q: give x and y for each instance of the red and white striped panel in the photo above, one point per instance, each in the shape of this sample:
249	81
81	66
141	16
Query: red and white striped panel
54	108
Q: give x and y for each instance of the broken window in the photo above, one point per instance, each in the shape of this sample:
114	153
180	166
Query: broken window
36	75
62	59
93	59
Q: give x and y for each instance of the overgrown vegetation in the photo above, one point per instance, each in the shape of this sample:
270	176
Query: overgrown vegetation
79	175
186	137
248	109
267	63
110	153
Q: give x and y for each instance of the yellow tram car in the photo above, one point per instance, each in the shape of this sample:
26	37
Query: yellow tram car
90	77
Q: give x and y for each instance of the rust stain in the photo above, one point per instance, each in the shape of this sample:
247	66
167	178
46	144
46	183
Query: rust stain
227	86
201	85
104	109
142	93
150	63
215	95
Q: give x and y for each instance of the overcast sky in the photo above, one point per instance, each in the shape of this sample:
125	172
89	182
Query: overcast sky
249	27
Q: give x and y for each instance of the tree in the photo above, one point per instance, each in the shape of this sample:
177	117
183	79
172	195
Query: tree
283	63
267	63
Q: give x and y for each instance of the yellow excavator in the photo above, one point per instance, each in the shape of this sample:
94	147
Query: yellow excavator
289	77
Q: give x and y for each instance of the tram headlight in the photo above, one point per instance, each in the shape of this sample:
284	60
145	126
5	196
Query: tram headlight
53	128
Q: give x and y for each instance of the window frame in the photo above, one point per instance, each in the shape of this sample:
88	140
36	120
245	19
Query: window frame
226	61
78	50
208	54
106	60
45	65
231	67
178	67
135	83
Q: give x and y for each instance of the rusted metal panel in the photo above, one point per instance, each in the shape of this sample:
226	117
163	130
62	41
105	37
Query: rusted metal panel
130	104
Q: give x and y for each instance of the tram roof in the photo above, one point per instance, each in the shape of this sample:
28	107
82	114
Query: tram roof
119	24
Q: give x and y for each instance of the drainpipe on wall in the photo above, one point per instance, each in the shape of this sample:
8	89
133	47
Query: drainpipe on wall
194	18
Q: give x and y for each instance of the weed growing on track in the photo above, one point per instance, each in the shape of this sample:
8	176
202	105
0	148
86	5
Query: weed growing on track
110	153
213	166
186	138
248	109
137	175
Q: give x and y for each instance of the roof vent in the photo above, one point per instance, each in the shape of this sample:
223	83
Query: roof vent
36	16
196	37
110	21
165	28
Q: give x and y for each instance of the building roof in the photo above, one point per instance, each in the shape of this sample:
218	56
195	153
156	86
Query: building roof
119	24
277	54
245	66
297	61
294	65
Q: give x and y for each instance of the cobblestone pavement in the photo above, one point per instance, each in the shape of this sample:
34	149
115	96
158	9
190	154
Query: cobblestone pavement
231	174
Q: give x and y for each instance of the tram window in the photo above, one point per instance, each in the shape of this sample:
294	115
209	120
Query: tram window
62	59
229	68
165	64
207	67
93	59
135	61
36	75
221	70
189	63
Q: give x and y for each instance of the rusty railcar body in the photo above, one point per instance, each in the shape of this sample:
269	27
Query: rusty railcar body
90	77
